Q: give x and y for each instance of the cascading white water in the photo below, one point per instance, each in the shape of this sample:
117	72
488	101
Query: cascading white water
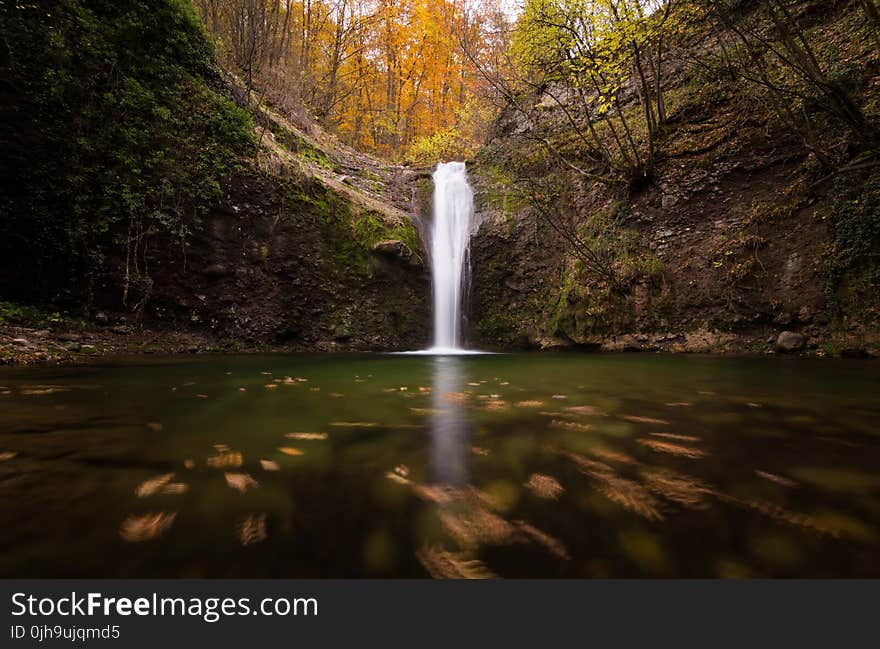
453	209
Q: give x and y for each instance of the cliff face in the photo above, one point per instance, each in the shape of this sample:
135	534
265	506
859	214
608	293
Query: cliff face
736	238
296	264
142	196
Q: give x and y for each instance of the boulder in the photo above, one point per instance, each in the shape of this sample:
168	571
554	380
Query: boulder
790	341
396	249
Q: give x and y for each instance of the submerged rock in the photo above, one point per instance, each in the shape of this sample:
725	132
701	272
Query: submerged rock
790	341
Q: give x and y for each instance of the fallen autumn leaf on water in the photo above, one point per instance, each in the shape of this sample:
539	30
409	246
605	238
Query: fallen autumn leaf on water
289	450
309	436
225	460
442	564
153	485
175	489
544	486
269	465
240	481
680	438
354	424
570	425
672	449
778	479
583	410
644	420
252	529
136	529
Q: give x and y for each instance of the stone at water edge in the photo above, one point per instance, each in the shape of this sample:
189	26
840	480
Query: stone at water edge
790	341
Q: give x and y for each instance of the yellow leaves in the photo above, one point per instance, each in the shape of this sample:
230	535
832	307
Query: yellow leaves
672	449
289	450
442	564
137	529
544	486
225	460
160	484
252	529
307	436
241	482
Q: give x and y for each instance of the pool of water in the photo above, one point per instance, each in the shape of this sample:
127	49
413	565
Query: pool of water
515	465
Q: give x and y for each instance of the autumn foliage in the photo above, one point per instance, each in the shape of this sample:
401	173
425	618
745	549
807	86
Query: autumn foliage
387	76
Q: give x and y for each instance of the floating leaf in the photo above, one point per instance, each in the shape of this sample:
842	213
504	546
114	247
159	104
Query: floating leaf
240	481
308	436
496	405
175	489
442	564
626	493
269	465
289	450
136	529
672	449
479	450
684	490
680	438
252	529
529	404
644	420
551	544
225	460
354	424
544	486
612	456
570	425
584	410
153	485
424	411
43	390
778	479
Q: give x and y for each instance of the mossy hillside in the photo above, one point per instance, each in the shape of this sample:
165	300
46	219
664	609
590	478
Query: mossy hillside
117	133
349	231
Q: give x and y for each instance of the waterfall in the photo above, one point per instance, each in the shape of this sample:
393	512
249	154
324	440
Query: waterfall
453	209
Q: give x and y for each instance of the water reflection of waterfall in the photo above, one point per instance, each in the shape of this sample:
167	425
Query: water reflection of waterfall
450	429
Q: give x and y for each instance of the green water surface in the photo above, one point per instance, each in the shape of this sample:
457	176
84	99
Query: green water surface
515	465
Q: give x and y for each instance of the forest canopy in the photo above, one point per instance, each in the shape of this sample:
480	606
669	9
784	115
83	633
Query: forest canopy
388	76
